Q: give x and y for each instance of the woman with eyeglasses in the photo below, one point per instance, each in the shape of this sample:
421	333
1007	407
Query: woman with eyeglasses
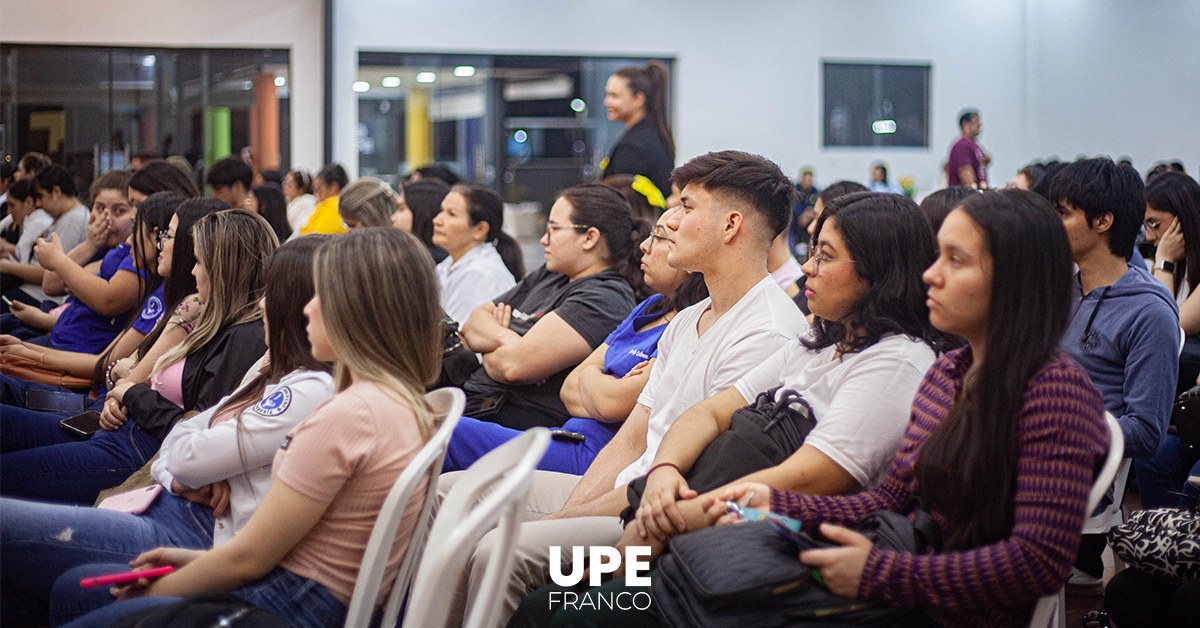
483	261
533	335
602	391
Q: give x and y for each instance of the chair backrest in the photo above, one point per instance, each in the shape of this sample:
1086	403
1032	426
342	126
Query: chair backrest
1114	473
489	492
1116	466
446	403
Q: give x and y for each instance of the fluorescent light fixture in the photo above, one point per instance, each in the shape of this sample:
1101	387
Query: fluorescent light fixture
884	126
391	81
520	136
426	77
361	86
578	105
280	81
464	70
148	61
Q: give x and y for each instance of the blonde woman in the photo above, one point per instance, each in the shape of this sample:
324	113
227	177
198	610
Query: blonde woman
376	314
368	202
231	249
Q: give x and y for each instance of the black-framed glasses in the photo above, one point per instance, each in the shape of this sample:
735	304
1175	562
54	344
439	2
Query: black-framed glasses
552	227
654	239
820	258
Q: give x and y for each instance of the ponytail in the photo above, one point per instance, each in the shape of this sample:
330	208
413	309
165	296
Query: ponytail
485	205
652	82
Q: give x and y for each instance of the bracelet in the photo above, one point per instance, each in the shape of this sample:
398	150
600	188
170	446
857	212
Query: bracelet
108	374
665	464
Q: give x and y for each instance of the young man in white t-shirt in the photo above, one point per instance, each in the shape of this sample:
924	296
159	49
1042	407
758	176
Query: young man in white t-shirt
733	206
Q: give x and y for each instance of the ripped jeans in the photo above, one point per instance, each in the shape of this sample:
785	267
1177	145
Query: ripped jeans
41	541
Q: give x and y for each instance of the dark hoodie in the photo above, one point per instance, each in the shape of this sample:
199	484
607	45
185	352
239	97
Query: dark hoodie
1126	336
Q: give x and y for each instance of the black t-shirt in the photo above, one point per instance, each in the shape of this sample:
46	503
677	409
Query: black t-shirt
593	306
643	150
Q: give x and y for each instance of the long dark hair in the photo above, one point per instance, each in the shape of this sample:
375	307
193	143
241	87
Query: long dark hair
1179	195
892	245
161	176
153	217
273	206
484	204
289	289
424	199
968	466
651	81
600	206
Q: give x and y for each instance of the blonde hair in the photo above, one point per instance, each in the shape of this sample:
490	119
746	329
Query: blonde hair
233	245
369	201
380	305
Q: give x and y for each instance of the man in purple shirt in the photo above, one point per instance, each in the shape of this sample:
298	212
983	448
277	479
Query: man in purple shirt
967	165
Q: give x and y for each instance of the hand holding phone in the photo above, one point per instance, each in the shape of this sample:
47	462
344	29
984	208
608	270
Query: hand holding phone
129	576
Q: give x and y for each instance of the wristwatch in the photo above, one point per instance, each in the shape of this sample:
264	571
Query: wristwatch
1165	265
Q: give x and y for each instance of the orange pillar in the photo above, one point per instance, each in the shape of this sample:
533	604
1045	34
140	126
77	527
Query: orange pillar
264	123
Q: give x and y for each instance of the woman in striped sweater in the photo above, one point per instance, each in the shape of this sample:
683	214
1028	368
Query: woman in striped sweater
1002	443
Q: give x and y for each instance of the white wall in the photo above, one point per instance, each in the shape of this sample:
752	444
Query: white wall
292	24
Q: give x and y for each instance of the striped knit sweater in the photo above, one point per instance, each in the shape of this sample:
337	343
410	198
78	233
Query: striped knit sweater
1062	434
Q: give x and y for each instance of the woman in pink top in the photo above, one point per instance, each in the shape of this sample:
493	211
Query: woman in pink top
376	314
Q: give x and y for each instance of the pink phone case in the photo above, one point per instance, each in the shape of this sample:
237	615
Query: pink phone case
134	502
130	576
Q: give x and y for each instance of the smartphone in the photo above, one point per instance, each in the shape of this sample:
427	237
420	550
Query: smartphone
786	527
568	436
54	400
7	301
129	576
134	502
82	425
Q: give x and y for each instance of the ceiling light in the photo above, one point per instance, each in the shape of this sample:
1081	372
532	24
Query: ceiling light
464	70
578	105
148	61
426	77
520	136
361	86
884	126
280	81
391	81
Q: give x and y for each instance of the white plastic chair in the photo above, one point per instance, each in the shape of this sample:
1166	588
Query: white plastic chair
446	403
1052	608
505	475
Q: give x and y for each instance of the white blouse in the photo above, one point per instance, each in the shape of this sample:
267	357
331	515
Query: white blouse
476	278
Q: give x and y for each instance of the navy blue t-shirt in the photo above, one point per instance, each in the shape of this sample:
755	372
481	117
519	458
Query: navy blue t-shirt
82	329
627	347
152	309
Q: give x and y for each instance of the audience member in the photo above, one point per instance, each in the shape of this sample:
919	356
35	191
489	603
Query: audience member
1124	328
160	176
271	176
435	171
376	315
22	274
418	204
1042	186
968	162
802	212
601	392
298	190
733	205
368	202
482	259
215	467
267	201
1173	220
139	160
534	334
637	97
827	196
326	187
879	180
30	164
938	205
1026	177
230	180
8	172
57	196
232	248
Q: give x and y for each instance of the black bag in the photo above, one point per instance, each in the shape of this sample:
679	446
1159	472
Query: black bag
202	611
760	436
1185	421
458	362
749	576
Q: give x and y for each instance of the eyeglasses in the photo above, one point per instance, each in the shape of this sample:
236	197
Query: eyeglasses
654	238
821	257
1152	224
163	237
551	228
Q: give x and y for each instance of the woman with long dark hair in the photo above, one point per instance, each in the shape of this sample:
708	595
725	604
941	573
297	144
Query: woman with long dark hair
533	335
214	468
420	201
483	260
266	200
637	97
160	176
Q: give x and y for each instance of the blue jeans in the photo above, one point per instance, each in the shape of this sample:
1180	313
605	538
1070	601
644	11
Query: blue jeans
13	391
1161	478
296	600
43	541
52	465
473	438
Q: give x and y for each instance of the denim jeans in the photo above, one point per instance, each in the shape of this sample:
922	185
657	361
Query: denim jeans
297	600
473	438
42	541
13	390
1162	478
42	461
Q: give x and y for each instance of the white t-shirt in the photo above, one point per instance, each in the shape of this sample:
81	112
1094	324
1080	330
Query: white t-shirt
299	210
476	278
34	227
71	228
861	401
240	451
692	368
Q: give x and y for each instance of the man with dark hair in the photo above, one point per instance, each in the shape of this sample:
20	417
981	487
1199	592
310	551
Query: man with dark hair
1125	327
230	179
967	165
58	196
733	206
